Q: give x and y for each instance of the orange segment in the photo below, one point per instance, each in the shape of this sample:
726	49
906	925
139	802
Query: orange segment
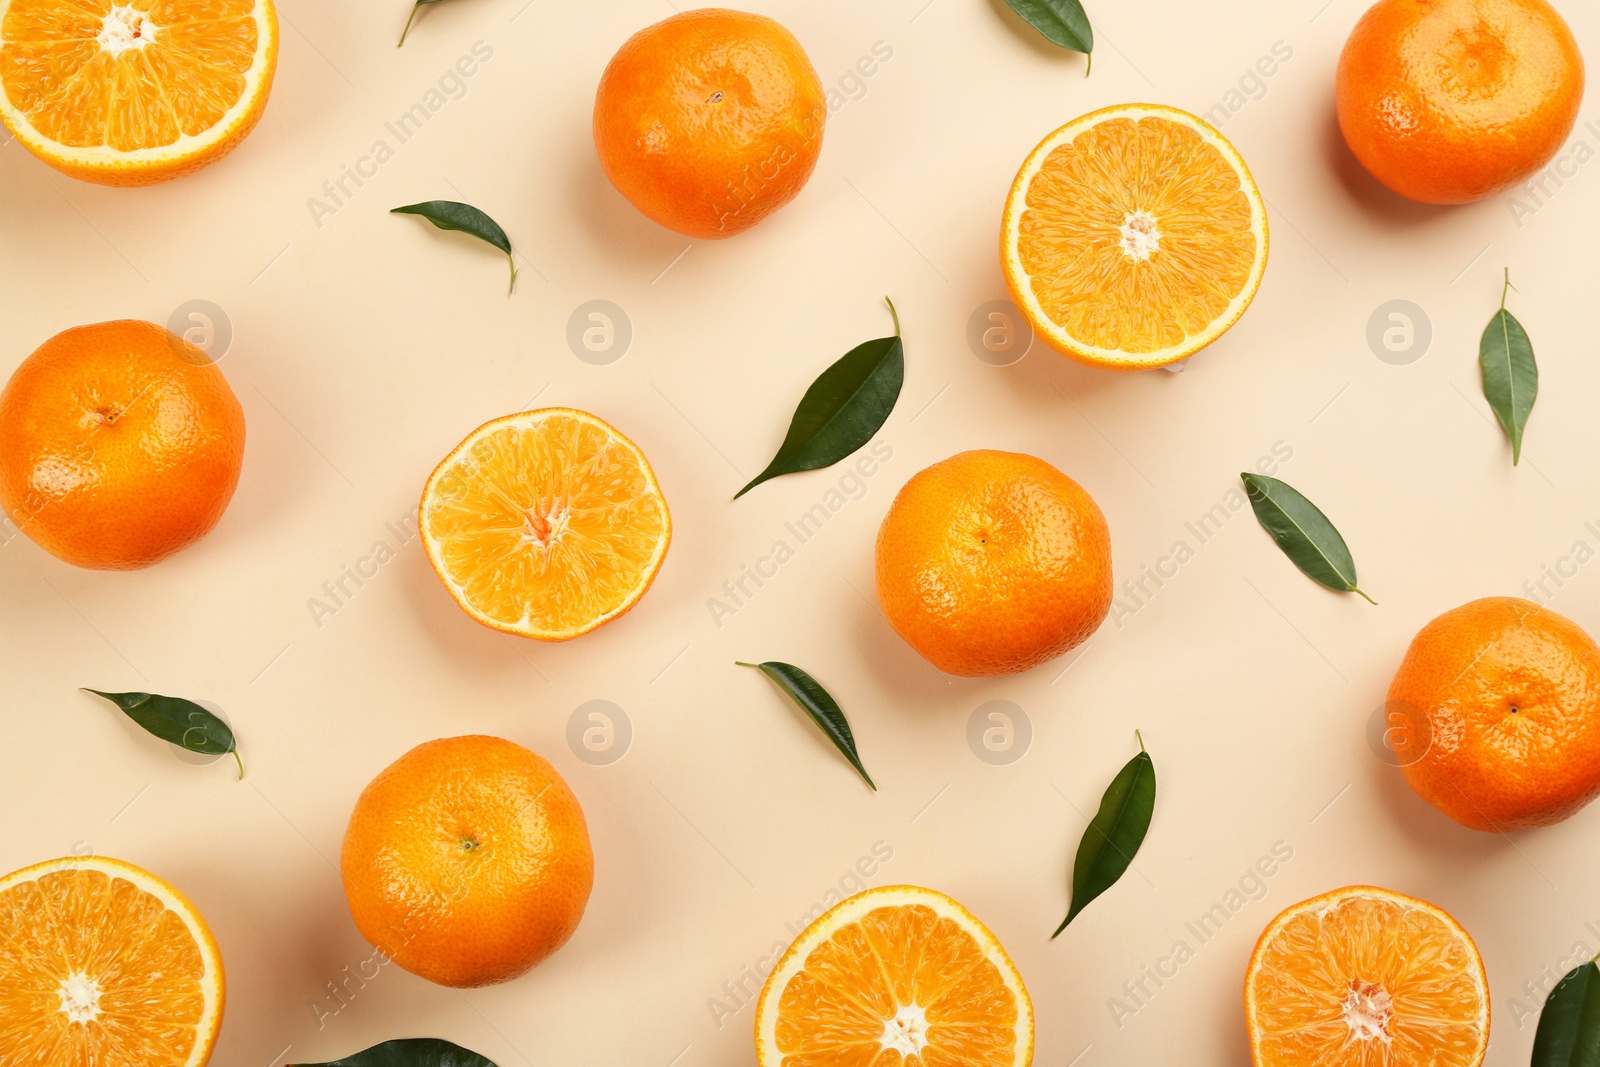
104	963
545	524
1133	237
1365	977
895	977
134	92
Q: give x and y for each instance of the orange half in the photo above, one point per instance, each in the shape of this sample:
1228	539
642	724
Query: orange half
545	524
138	91
1365	977
1133	237
104	963
895	977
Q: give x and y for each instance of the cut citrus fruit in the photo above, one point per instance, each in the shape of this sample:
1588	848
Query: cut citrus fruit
1365	977
137	91
545	524
104	963
1133	237
895	977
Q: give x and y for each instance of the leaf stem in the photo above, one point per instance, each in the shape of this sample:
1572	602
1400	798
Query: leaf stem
1363	594
405	32
1088	67
1140	736
896	315
1506	291
742	663
512	260
239	761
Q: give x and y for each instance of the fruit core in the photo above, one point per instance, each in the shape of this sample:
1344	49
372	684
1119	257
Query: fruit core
126	27
546	529
1368	1007
1140	237
80	998
907	1032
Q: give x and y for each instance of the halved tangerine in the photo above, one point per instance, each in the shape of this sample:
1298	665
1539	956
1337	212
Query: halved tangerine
103	963
1366	977
895	977
545	524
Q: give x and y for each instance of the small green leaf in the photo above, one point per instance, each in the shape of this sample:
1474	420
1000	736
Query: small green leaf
463	218
1304	533
845	406
1569	1026
1062	22
815	701
177	721
410	1052
1510	375
1114	834
418	6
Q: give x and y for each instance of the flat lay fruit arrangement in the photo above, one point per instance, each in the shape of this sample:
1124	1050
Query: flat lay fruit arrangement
555	756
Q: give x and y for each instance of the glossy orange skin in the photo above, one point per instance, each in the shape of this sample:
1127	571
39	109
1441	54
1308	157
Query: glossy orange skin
467	861
1500	700
710	121
1451	101
993	563
120	444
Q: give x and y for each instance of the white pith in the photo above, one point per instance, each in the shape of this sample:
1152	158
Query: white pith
80	998
126	27
1141	235
1367	1011
907	1032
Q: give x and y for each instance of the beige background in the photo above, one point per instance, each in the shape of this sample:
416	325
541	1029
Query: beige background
367	346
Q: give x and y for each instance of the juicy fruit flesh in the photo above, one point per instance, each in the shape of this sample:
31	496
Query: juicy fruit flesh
1369	982
901	986
547	526
1136	235
96	971
126	76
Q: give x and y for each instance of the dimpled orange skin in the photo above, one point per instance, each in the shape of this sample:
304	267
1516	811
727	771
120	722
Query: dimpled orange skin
467	861
1451	101
710	121
120	444
993	563
1501	701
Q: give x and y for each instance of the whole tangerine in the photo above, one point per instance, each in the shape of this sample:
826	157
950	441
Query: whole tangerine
467	861
120	444
1495	715
993	563
710	121
1451	101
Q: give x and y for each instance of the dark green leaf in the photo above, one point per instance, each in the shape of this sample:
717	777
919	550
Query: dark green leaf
411	1052
177	721
845	406
418	6
463	218
1569	1026
1114	834
1304	533
1063	22
1510	375
817	703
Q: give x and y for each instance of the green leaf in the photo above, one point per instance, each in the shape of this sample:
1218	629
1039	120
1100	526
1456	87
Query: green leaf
815	701
418	6
180	722
1063	22
845	406
411	1052
1114	834
1304	533
1569	1026
1510	375
463	218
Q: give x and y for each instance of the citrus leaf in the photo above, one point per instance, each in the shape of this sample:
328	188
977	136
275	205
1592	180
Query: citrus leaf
418	6
1569	1026
1304	533
410	1052
1062	22
177	721
1114	834
816	702
1510	374
463	218
845	406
